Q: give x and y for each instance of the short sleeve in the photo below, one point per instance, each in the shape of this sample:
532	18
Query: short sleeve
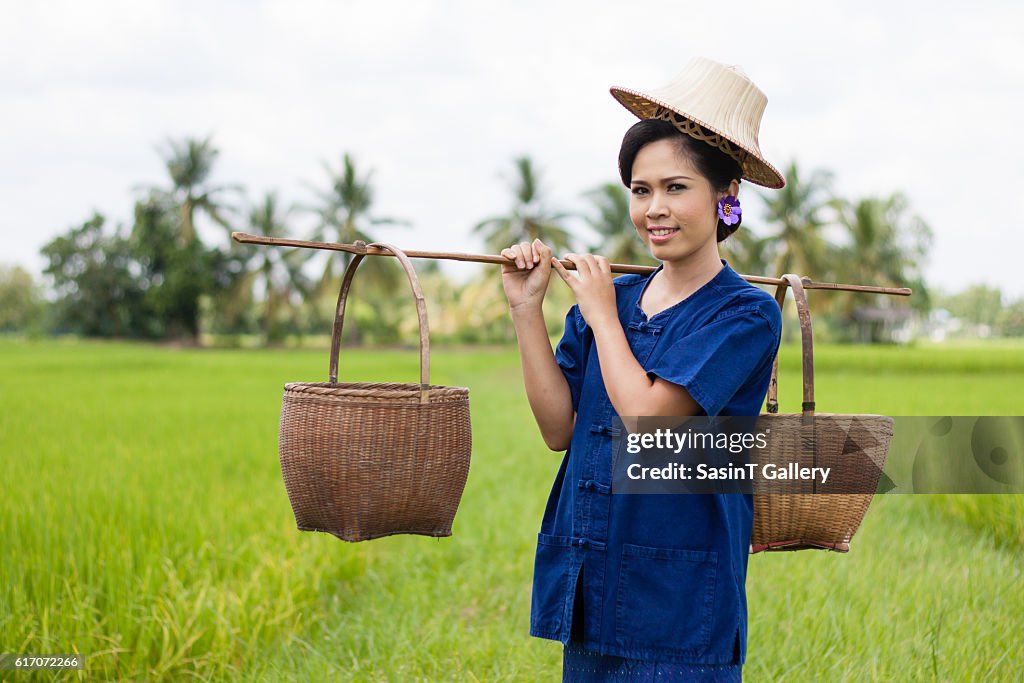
717	361
570	354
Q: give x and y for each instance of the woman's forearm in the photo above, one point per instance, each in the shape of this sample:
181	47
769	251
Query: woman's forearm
631	391
546	387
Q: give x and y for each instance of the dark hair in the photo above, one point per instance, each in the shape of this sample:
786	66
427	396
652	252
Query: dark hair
718	167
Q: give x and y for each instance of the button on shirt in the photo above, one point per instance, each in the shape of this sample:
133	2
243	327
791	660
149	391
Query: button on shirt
661	576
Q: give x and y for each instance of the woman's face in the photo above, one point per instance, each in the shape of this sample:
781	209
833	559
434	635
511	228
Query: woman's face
672	205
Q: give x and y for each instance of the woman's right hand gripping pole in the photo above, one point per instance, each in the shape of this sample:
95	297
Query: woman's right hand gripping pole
526	283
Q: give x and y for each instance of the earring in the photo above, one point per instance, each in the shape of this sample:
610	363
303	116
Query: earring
729	210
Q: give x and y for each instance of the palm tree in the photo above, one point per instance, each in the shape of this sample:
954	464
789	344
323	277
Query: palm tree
529	217
619	241
189	162
794	210
280	271
886	246
748	253
344	212
174	275
344	216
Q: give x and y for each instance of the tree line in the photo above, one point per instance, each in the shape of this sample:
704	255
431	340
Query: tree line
156	278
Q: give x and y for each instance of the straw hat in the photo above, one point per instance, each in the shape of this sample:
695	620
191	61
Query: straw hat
716	104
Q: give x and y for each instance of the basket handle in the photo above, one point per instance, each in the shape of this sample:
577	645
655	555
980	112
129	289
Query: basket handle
421	313
806	346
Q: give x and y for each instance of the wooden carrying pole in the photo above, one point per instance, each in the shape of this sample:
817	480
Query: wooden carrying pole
361	248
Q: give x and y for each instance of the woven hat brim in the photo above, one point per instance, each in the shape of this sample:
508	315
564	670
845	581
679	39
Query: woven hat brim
755	168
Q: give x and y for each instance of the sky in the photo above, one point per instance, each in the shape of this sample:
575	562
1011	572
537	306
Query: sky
437	98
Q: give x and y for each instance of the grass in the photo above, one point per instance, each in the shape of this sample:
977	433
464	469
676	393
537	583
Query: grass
144	524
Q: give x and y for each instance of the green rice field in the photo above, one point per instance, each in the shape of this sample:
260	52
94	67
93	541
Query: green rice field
144	524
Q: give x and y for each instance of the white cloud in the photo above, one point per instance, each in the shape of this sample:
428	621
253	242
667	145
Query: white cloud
438	97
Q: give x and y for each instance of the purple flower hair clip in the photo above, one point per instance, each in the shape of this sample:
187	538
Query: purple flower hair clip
729	210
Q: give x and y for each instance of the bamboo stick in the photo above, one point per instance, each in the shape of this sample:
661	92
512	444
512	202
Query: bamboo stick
360	248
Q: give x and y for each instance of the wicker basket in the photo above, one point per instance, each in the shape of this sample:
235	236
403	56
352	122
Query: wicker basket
365	460
802	514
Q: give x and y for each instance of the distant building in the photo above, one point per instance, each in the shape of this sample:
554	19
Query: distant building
884	324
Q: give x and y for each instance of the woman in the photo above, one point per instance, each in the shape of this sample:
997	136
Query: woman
651	587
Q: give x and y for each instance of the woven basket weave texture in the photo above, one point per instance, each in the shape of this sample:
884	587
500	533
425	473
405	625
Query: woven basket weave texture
372	459
805	514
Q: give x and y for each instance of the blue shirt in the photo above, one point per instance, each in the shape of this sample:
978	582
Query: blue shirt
661	576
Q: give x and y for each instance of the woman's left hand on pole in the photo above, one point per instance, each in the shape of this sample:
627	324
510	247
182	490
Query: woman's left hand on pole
595	293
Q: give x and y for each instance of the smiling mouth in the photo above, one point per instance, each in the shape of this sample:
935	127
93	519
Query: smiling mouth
661	232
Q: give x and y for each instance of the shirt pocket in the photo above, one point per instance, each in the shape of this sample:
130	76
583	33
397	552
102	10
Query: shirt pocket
550	583
665	599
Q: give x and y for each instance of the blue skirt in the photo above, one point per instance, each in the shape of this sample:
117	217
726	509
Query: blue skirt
583	666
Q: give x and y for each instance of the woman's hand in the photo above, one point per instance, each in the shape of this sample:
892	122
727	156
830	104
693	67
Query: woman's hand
595	293
526	282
